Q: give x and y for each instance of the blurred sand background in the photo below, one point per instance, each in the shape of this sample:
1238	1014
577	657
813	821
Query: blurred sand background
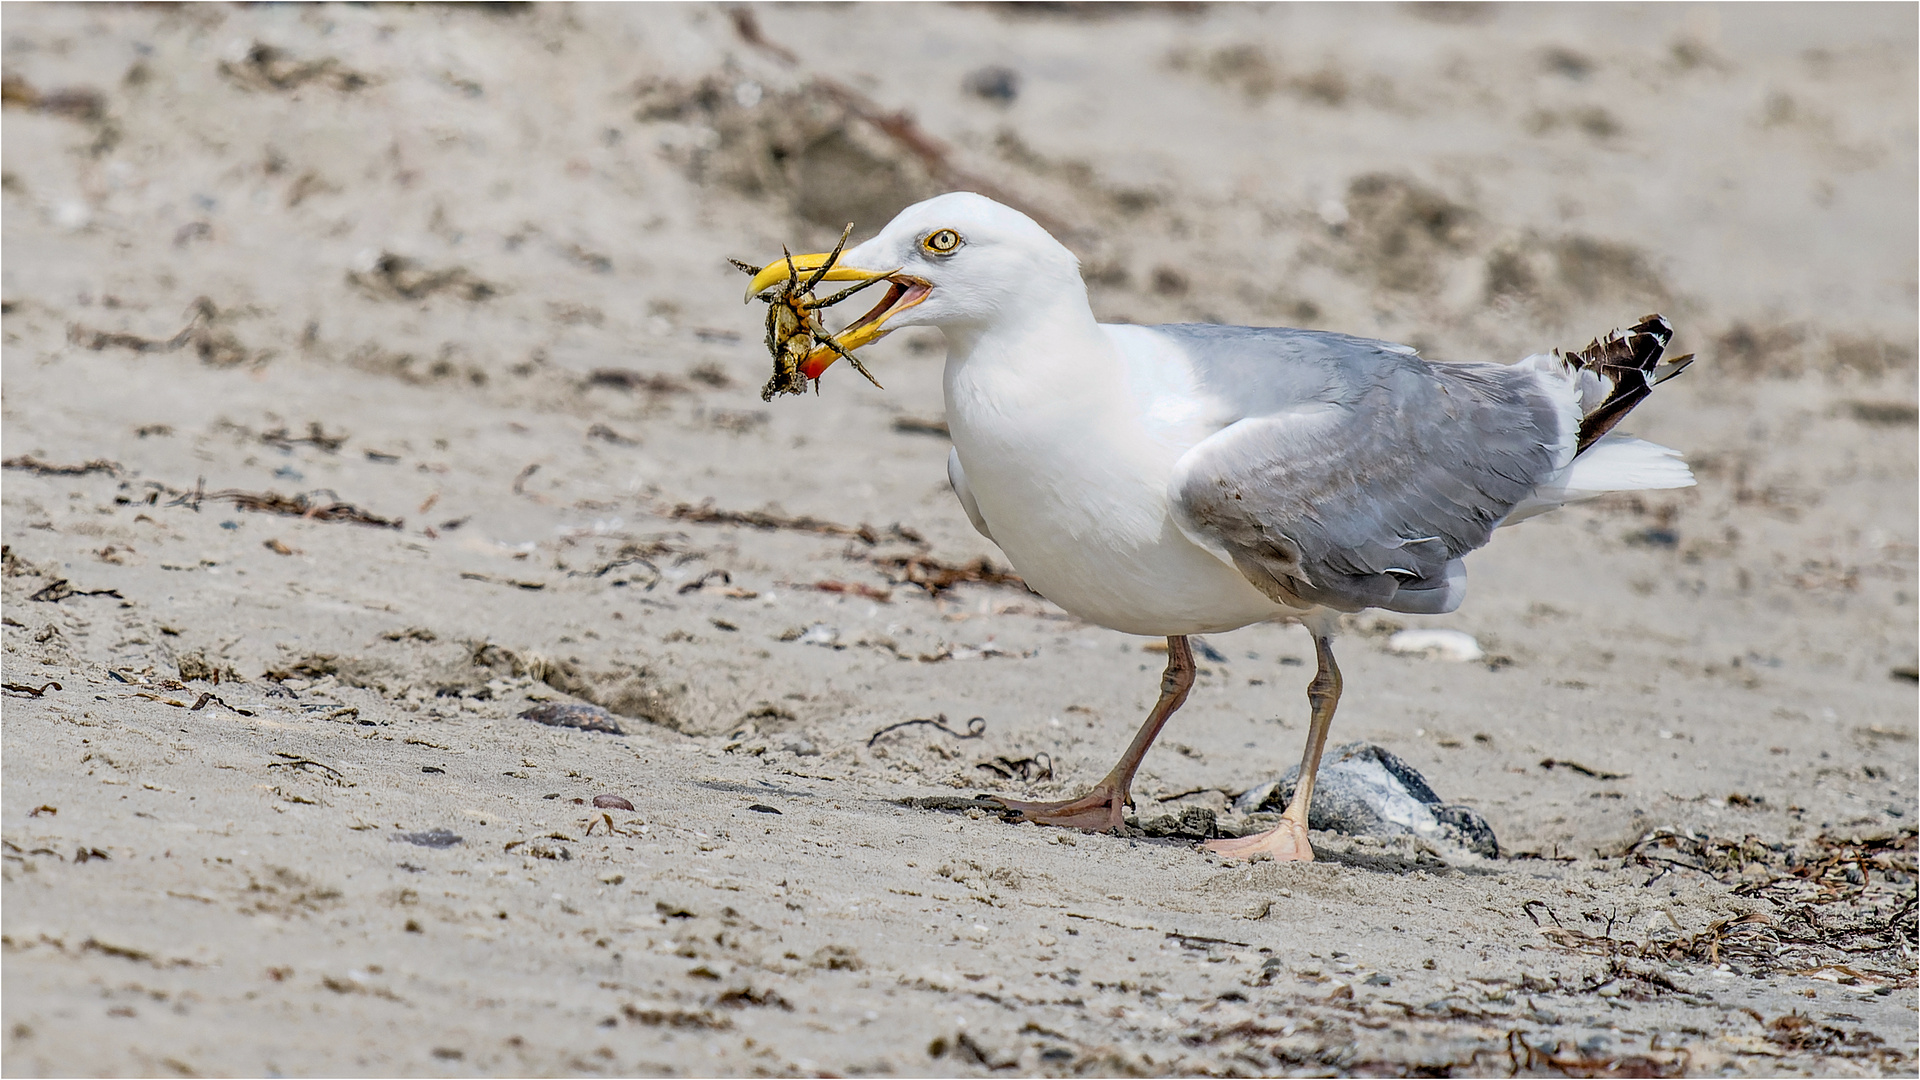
378	372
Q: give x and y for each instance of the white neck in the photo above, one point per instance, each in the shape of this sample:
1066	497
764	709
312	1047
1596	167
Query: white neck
1050	352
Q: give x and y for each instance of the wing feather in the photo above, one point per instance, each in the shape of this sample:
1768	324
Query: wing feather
1363	481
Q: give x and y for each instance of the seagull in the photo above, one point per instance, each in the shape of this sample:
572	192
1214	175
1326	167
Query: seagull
1194	478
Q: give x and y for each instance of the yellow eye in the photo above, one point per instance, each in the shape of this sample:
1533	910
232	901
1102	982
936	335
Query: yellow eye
942	242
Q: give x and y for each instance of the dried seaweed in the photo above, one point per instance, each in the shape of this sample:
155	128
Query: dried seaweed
313	506
707	514
530	586
629	379
1844	907
301	763
81	103
852	588
918	569
1803	1035
265	67
936	576
396	277
630	555
1567	1059
218	348
316	436
34	465
607	434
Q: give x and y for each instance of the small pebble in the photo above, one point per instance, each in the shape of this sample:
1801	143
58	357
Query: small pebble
611	802
1440	644
997	84
432	838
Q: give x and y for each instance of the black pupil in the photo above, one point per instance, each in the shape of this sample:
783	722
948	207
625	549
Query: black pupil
943	240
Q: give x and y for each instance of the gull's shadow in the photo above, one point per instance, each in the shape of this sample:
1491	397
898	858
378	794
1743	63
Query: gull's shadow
1397	864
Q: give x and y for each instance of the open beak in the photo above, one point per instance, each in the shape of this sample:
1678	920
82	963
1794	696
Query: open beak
903	292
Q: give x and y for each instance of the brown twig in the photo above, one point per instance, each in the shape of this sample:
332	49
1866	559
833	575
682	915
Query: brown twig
1597	774
22	688
60	590
207	699
851	588
747	25
976	727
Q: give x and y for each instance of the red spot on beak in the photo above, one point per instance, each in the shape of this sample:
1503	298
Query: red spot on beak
818	362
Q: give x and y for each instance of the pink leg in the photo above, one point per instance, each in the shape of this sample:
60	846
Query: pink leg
1287	841
1104	807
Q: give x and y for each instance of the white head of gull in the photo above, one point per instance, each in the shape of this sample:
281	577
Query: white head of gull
1187	479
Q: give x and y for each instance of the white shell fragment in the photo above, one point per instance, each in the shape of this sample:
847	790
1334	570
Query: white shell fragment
1453	645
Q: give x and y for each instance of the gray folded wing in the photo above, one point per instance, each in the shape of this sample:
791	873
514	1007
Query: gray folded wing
1353	473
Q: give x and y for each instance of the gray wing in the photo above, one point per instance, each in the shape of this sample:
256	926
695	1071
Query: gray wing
1352	473
957	477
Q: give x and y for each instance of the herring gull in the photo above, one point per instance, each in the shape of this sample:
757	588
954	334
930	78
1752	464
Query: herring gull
1191	479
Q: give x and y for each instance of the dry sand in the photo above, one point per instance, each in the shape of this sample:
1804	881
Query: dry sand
465	268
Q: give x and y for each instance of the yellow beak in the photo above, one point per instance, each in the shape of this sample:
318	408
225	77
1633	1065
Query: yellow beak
803	266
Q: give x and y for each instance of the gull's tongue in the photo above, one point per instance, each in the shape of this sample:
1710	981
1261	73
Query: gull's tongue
895	291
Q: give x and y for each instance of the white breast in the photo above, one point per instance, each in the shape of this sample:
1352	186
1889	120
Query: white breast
1068	454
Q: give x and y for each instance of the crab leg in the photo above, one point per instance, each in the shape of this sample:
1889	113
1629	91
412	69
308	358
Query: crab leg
825	266
847	356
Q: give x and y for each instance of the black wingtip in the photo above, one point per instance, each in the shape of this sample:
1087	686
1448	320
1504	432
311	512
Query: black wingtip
1628	360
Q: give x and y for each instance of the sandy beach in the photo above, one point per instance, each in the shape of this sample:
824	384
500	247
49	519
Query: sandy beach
376	375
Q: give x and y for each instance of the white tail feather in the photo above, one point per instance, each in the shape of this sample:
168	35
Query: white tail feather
1614	463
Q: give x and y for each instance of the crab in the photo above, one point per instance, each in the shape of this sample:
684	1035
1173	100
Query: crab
794	327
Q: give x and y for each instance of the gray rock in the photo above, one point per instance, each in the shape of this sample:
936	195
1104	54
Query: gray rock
566	714
1363	790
